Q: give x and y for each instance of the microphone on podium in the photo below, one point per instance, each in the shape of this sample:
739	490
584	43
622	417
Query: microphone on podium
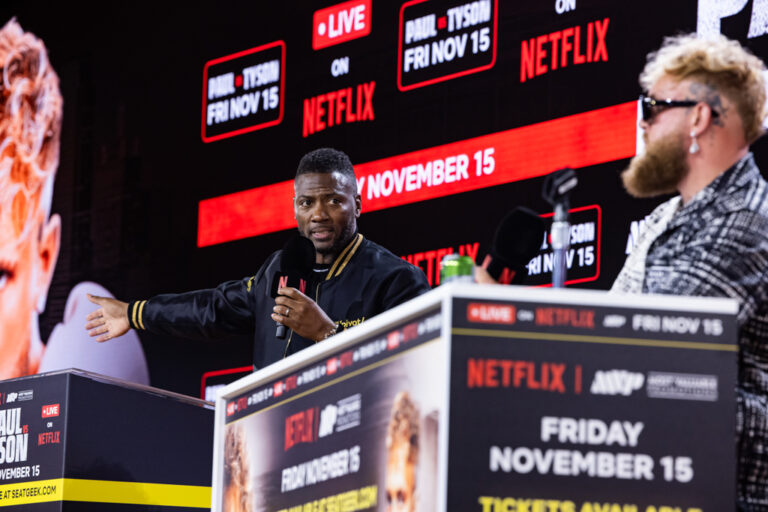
556	190
518	238
296	262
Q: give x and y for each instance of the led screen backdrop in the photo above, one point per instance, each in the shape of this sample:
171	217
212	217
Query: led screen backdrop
182	128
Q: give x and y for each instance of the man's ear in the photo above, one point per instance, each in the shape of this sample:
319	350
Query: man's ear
358	205
48	255
701	118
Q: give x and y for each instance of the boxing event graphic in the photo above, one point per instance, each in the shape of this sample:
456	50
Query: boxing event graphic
170	167
355	431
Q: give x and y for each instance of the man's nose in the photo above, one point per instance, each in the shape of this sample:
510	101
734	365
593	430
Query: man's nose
319	212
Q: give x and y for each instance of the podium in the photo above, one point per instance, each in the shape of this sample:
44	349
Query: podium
72	440
493	399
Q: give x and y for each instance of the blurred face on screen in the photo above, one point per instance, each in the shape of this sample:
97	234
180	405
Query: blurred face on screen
402	454
237	495
663	165
26	267
30	125
326	207
401	478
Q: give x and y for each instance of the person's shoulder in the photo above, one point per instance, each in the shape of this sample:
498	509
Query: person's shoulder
757	199
746	194
665	209
394	270
381	254
268	268
273	260
385	260
746	206
736	228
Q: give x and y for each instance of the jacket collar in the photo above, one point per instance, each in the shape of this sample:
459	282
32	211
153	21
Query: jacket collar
344	256
726	189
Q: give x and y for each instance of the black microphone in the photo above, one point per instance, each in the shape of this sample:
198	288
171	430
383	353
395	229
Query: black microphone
556	190
518	238
296	262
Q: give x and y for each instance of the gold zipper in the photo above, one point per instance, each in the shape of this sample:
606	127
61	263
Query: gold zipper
288	344
317	297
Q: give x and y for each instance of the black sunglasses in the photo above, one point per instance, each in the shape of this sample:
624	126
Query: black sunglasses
651	107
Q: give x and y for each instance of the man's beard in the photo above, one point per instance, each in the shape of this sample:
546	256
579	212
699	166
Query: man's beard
339	243
657	171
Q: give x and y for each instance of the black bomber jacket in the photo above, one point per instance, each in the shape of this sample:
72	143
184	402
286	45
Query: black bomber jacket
364	280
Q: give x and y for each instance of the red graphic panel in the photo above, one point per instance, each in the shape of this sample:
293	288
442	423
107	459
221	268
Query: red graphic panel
50	411
341	23
491	313
580	140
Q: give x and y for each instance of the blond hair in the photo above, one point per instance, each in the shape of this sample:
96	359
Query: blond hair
237	471
403	428
720	63
30	126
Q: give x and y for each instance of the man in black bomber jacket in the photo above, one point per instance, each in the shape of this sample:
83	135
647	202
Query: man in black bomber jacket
355	279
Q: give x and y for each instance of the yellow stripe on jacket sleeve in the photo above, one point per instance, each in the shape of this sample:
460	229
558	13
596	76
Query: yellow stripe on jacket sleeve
134	308
141	312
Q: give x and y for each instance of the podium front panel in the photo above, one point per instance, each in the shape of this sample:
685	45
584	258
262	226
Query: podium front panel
494	399
33	425
568	405
85	442
330	435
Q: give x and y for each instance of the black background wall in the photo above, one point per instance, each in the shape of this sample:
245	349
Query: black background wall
134	166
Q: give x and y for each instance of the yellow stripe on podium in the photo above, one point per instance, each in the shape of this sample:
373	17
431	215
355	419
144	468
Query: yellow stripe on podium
105	491
41	491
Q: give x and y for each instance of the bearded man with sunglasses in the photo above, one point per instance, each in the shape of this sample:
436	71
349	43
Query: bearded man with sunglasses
704	105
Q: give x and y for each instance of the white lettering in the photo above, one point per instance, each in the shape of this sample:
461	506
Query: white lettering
420	28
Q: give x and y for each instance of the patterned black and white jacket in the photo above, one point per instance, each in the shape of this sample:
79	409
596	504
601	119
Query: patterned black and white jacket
717	246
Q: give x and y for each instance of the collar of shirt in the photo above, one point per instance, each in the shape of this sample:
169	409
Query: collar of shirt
724	186
319	271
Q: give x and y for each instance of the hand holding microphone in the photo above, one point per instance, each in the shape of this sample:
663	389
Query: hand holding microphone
293	308
296	311
518	238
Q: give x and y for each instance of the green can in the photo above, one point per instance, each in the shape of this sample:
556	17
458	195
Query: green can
455	268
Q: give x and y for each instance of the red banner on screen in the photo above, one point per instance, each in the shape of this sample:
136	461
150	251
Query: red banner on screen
580	140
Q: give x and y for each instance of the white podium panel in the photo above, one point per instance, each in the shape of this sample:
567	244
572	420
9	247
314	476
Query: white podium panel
494	399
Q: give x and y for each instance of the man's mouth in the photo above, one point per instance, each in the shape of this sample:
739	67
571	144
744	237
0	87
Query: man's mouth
321	234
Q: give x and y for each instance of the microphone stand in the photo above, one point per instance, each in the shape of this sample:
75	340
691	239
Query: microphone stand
556	190
560	243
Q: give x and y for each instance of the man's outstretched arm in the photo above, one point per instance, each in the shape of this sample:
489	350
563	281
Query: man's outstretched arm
109	321
203	314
